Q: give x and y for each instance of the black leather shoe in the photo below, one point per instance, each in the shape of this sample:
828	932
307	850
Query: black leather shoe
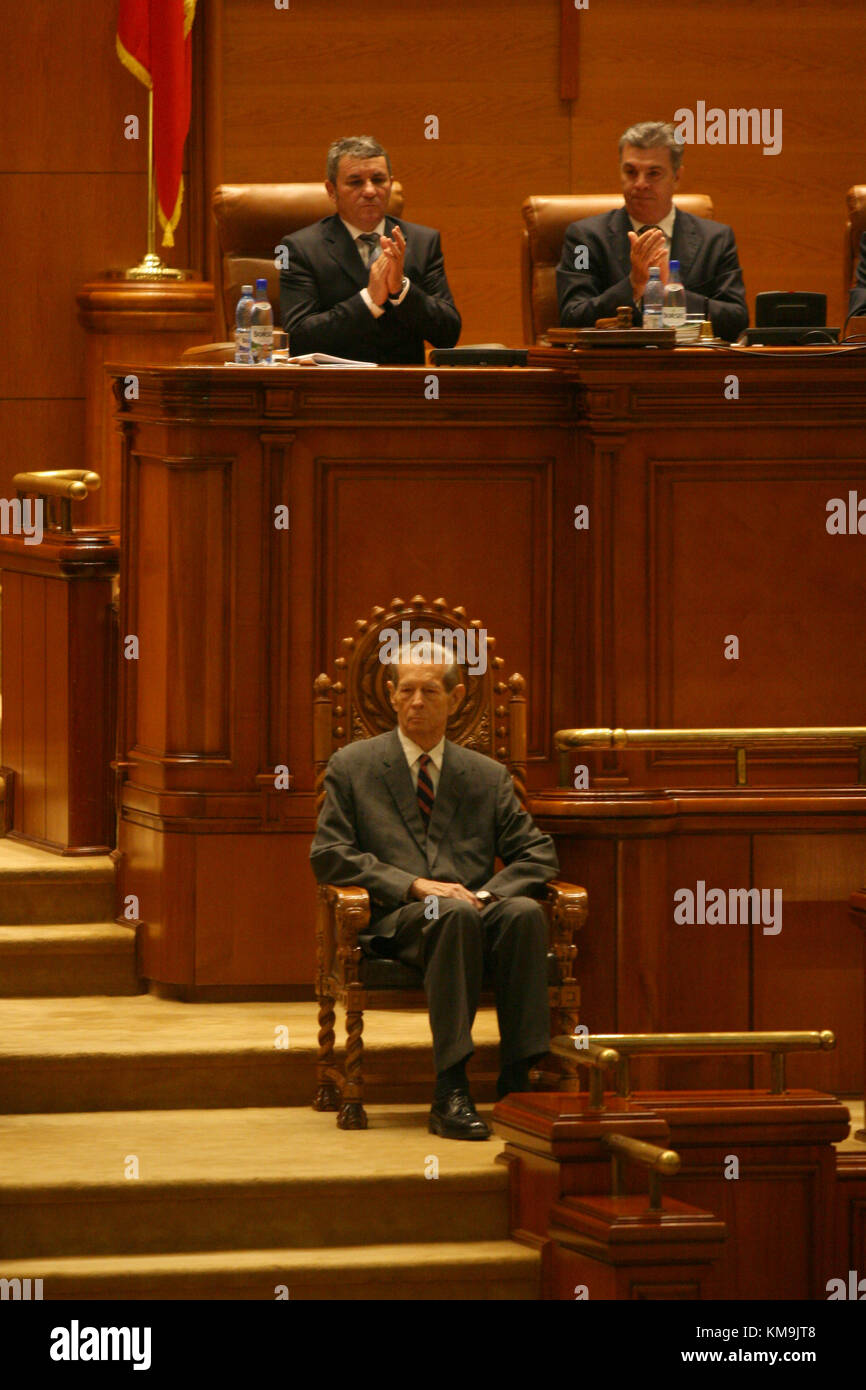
455	1117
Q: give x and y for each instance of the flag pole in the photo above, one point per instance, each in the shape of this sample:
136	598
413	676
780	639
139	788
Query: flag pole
151	266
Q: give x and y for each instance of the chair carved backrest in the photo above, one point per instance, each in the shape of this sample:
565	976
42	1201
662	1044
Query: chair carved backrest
491	718
251	221
855	201
546	219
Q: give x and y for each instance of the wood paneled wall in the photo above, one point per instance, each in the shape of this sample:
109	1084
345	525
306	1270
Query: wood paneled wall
73	194
287	82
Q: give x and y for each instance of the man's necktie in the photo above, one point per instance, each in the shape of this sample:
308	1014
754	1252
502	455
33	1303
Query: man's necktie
650	227
372	249
425	789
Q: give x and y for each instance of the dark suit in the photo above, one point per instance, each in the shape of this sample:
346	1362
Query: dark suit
321	305
371	835
709	270
857	297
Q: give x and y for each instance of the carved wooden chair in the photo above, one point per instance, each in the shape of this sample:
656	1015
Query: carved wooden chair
491	720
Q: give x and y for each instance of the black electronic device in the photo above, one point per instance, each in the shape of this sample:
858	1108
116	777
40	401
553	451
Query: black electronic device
792	337
479	355
789	309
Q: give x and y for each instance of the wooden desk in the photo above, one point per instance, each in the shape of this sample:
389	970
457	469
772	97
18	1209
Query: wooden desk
706	519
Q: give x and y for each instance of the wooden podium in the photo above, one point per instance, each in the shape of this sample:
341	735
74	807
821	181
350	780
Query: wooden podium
706	517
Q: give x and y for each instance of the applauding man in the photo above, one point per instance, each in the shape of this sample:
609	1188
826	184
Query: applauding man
606	260
362	284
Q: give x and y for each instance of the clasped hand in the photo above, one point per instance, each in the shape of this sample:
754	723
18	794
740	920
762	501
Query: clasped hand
647	250
386	272
431	887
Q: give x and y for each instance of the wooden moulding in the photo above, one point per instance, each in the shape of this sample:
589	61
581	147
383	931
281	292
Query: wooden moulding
616	1248
777	1201
59	674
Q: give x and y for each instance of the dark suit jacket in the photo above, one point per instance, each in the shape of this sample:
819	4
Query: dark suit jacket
857	298
709	270
370	833
321	305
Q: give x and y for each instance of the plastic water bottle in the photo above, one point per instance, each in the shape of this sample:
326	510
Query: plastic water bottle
674	306
243	315
262	325
653	298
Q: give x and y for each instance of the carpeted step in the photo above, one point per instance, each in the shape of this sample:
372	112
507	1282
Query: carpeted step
88	958
495	1269
166	1182
144	1053
36	886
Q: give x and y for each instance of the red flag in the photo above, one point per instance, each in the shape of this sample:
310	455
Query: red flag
153	42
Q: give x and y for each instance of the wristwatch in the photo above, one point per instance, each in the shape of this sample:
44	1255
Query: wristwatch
484	896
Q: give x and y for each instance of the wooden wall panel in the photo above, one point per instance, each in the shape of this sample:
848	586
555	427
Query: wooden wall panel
739	547
811	974
58	230
409	547
73	192
65	92
259	926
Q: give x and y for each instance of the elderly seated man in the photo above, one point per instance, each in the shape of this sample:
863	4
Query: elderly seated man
419	821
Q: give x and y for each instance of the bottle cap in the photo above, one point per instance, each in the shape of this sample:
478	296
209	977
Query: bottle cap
674	265
261	285
246	289
654	270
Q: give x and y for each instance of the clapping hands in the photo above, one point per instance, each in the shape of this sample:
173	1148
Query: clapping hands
386	272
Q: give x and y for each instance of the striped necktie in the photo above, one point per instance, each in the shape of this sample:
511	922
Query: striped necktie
425	789
369	247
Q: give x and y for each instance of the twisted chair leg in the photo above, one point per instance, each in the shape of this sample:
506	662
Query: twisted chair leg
327	1095
352	1113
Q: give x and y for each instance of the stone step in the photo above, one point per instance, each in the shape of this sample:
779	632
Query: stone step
144	1053
492	1269
87	958
36	886
172	1182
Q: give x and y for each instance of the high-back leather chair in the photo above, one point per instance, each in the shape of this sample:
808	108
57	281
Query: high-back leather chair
547	217
491	720
855	200
252	219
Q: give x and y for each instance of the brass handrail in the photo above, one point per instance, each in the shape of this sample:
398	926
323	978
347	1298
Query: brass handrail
586	1052
627	1045
660	1162
738	739
67	484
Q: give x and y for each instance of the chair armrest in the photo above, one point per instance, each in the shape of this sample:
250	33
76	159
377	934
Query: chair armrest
206	353
569	900
566	908
344	913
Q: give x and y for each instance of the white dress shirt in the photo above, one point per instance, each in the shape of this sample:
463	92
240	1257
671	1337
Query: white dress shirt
413	753
377	310
666	225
